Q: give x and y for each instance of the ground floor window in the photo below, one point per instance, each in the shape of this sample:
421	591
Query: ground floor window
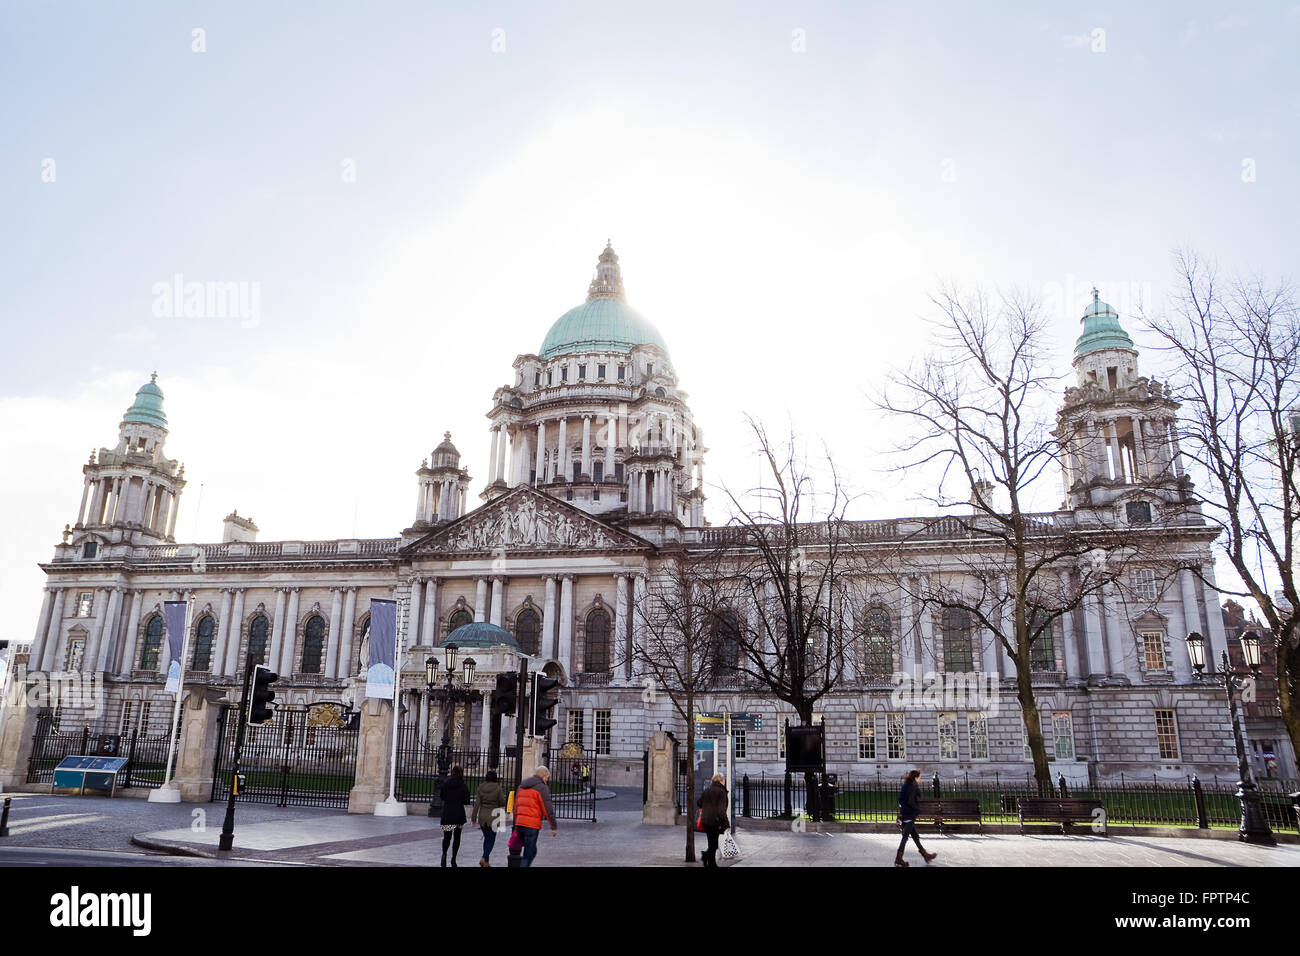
1063	734
897	737
739	744
1167	734
866	736
978	728
575	730
947	736
602	732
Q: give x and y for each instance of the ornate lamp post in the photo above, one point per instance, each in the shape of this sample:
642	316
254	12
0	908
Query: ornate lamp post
450	695
1254	828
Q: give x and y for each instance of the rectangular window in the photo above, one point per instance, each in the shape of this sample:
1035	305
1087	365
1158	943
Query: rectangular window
978	726
739	742
550	377
896	736
1167	734
537	379
947	736
85	603
622	372
602	731
618	472
1042	653
600	372
958	653
650	368
1144	583
577	470
597	471
564	373
125	726
575	731
145	707
582	372
866	736
1063	734
76	650
1153	650
1024	735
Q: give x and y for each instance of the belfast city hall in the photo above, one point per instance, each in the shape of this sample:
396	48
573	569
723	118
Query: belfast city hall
591	485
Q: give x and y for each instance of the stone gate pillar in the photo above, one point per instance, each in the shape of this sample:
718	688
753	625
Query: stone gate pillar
374	746
16	732
196	751
661	799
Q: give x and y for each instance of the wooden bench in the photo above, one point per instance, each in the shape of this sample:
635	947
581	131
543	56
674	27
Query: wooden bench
948	810
1062	810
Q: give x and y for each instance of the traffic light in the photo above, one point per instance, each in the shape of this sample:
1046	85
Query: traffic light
506	697
259	708
545	698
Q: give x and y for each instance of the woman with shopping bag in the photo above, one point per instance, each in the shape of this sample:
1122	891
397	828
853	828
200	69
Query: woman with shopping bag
713	817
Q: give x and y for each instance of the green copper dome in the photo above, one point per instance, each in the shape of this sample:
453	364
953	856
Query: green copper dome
605	322
1101	329
480	634
148	406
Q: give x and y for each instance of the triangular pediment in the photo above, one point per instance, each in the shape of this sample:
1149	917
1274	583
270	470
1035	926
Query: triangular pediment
526	520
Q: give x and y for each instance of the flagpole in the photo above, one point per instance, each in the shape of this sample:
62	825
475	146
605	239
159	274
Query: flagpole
392	807
168	793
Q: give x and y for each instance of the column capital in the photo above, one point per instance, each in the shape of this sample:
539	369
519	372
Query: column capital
350	587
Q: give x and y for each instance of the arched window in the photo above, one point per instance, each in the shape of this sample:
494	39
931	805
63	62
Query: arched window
725	641
313	644
153	636
203	633
597	651
528	632
257	630
877	657
958	655
459	619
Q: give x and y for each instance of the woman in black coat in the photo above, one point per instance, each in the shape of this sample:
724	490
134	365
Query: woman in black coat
455	797
713	816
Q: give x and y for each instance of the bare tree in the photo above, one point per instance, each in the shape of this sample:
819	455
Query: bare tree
977	411
676	650
1236	349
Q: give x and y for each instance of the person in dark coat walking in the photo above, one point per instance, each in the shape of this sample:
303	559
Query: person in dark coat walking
713	816
455	797
490	799
909	808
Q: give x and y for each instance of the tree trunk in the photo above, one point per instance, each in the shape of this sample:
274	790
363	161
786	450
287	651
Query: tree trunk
1033	730
689	808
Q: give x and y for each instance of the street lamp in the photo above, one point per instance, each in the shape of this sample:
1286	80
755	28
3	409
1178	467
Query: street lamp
443	756
1254	828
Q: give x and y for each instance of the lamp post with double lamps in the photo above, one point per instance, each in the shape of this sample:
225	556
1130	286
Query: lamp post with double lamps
451	694
1254	828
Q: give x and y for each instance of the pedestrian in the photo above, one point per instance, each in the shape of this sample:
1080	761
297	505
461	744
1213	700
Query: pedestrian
532	806
455	797
489	799
909	808
713	816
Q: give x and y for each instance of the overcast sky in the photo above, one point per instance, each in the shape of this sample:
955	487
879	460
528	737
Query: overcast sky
415	192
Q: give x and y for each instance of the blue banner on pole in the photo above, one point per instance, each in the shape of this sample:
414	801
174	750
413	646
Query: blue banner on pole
382	662
174	616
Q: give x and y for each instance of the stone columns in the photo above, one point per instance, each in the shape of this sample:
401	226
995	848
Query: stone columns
112	627
332	635
42	628
492	455
54	636
290	646
429	632
1216	641
171	516
413	612
622	619
349	623
907	633
564	468
929	659
638	610
91	655
1008	665
640	492
498	597
565	655
548	648
1114	639
611	441
234	635
81	510
218	665
540	464
586	448
422	716
485	723
277	629
480	599
1092	634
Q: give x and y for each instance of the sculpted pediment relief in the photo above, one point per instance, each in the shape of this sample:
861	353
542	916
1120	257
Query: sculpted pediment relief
526	520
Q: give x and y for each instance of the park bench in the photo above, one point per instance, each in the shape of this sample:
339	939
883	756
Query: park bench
945	810
1062	810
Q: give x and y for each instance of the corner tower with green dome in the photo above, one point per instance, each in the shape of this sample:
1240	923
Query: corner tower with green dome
132	491
1119	459
596	416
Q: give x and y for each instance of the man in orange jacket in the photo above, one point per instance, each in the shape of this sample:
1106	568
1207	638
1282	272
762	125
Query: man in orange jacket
532	806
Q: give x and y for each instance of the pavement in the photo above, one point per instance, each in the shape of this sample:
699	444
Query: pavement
297	835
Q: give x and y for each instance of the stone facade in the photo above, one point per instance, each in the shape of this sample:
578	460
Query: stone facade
595	474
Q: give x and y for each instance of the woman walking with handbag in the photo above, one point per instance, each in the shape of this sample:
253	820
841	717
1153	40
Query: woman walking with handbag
455	797
909	808
490	798
713	816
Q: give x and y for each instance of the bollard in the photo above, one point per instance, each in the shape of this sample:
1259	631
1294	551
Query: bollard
4	817
1202	822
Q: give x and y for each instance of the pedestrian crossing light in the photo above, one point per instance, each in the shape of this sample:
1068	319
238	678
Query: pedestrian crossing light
546	697
506	697
260	709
